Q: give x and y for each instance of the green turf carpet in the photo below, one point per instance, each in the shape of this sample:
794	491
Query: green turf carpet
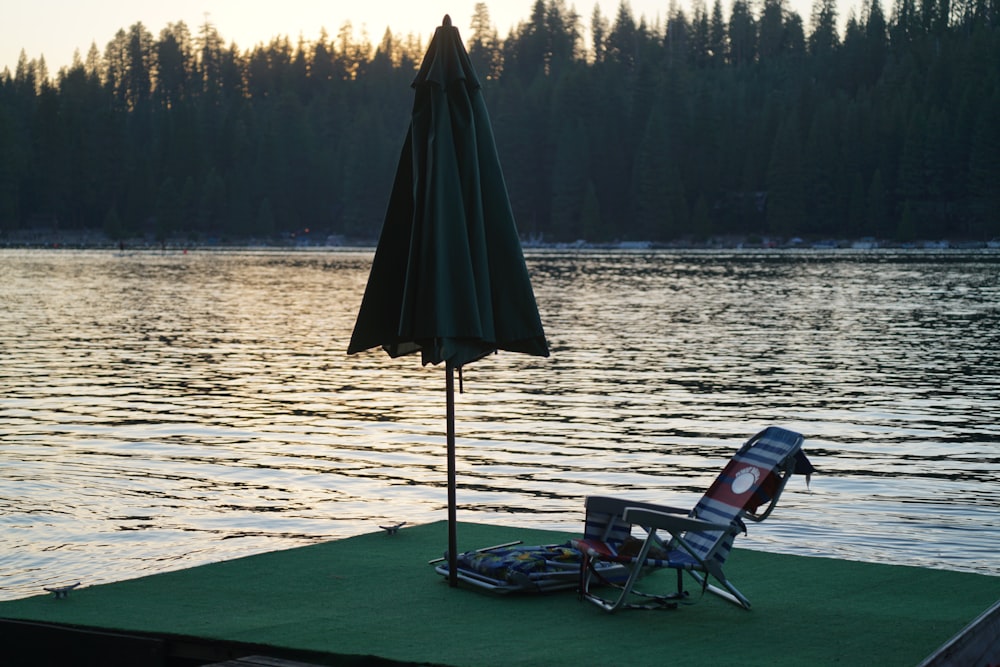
375	595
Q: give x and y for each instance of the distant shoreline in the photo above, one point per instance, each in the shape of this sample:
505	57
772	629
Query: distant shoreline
74	240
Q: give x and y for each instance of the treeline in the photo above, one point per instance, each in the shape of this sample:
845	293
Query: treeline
703	125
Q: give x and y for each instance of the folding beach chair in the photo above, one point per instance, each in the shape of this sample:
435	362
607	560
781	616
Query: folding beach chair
700	539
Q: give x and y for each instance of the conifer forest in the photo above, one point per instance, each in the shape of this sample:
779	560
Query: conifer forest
736	119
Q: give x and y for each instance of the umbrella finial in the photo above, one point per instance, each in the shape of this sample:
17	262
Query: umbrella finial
447	21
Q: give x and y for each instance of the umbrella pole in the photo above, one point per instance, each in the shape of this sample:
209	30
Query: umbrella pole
452	519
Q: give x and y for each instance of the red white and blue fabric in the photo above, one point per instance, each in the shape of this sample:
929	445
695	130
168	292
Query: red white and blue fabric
749	480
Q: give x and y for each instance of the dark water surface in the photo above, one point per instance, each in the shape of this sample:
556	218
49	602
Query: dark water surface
159	411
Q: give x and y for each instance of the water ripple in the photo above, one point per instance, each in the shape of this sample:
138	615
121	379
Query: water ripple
163	410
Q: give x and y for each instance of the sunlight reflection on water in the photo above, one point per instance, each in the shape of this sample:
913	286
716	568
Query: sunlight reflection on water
163	410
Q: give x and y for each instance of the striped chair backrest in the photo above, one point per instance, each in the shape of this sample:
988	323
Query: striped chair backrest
753	477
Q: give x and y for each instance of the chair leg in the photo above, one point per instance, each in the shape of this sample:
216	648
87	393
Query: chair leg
589	571
729	592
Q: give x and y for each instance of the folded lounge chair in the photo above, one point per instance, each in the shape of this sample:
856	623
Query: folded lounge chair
515	568
699	540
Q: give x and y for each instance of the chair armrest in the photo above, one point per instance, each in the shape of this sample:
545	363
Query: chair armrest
655	518
617	506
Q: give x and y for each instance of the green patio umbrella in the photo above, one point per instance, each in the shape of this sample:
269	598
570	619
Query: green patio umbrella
448	279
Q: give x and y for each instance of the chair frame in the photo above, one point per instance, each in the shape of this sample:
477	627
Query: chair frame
683	557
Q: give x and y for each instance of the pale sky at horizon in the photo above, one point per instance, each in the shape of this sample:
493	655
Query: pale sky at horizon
56	28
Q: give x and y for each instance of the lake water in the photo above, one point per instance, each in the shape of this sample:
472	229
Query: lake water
163	410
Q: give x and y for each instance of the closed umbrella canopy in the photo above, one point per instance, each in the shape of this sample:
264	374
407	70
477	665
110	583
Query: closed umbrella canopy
449	279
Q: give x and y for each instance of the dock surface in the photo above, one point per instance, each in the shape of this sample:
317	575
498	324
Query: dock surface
374	600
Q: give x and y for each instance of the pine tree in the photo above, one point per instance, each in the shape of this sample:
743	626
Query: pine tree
742	35
654	184
856	209
9	169
701	220
984	171
823	40
717	42
785	184
484	47
590	217
570	172
699	43
772	29
877	208
113	226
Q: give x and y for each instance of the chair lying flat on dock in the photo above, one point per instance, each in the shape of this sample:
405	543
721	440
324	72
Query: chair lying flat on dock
515	568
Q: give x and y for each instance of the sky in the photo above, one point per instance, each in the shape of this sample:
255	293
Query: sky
56	28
